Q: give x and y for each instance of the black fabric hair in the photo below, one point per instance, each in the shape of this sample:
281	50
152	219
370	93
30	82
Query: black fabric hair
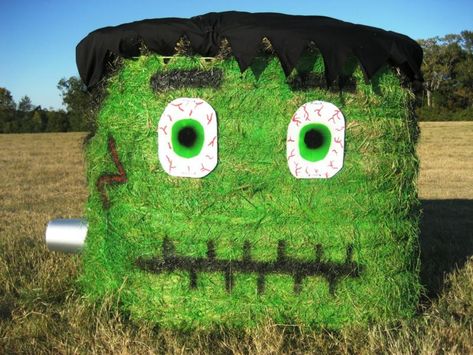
289	35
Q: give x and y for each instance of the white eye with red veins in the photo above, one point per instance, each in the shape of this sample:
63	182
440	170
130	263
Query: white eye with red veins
315	141
187	138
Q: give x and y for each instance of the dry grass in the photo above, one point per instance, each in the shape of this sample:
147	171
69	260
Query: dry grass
446	191
41	309
446	151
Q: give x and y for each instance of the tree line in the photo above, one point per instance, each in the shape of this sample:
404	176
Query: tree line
25	117
447	92
448	77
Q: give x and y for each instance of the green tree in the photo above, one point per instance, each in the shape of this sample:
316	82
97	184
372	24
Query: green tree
7	111
78	103
23	116
439	64
25	104
466	41
40	119
448	71
6	100
57	121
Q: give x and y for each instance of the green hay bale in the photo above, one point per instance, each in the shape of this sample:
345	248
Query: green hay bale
371	204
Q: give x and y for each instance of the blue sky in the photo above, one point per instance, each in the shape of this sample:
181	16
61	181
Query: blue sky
38	37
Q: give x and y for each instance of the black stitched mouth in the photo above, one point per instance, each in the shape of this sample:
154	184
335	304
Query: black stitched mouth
284	264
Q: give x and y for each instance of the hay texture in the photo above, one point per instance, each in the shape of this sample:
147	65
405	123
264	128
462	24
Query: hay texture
249	241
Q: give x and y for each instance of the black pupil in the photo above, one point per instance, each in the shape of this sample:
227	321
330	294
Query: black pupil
187	136
313	139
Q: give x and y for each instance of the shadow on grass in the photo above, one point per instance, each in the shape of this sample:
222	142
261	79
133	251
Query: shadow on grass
446	240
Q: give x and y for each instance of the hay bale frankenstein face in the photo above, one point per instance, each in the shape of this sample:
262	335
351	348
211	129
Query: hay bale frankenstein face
234	189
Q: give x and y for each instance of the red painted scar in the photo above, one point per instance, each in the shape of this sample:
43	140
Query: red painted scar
111	179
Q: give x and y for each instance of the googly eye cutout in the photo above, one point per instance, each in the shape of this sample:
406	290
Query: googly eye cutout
315	141
187	138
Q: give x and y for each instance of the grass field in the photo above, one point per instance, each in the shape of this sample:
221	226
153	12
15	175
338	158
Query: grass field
42	311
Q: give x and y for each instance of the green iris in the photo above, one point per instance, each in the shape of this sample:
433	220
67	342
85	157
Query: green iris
314	141
187	138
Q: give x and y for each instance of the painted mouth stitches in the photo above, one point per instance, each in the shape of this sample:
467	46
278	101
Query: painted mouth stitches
284	264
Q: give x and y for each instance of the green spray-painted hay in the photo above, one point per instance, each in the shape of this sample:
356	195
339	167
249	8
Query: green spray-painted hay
371	203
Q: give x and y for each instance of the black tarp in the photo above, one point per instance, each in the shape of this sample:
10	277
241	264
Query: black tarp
289	36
